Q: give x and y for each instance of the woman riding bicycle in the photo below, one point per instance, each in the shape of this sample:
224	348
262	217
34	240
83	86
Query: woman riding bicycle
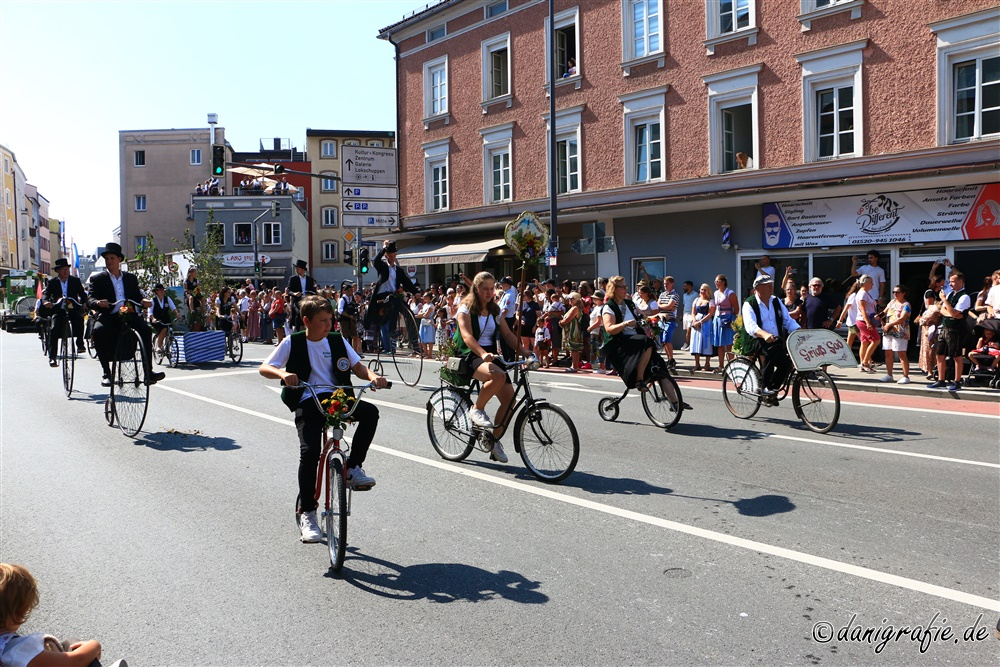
480	333
629	350
224	307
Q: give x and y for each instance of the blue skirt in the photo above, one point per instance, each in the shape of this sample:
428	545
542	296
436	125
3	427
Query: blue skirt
701	340
427	334
722	334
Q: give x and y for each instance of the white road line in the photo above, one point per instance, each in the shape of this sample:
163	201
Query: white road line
208	376
780	552
886	451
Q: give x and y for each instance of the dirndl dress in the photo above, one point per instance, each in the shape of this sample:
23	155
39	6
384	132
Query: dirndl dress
701	338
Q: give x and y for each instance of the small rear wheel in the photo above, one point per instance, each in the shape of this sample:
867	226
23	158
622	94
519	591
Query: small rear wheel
548	442
663	403
448	424
608	409
335	518
816	400
741	386
376	365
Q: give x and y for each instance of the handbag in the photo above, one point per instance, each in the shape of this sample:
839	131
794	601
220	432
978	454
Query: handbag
455	371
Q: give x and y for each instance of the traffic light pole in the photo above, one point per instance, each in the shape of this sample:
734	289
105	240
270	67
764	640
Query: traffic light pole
257	271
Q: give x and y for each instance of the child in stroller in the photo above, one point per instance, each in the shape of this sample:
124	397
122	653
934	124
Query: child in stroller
985	357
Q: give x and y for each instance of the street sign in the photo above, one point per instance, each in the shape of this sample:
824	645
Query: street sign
349	235
371	206
584	246
366	165
365	220
371	243
370	192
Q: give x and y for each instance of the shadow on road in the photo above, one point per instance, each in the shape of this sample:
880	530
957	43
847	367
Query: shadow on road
89	398
864	432
179	441
437	582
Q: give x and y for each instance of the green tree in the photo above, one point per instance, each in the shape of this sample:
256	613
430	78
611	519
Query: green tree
151	266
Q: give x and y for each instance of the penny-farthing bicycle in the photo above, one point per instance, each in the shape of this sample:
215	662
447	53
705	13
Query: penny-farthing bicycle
66	342
128	399
403	341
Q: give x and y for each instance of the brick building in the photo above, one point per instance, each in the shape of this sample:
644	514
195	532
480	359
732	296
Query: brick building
846	124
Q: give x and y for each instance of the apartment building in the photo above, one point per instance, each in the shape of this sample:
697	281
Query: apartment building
327	233
158	171
700	134
8	214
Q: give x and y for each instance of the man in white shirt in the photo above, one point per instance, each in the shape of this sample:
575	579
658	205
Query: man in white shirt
771	328
993	297
508	310
764	267
872	269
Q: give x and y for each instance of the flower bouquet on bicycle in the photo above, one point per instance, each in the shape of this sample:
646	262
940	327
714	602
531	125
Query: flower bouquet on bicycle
337	407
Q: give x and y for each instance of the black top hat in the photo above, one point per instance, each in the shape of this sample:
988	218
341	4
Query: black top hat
346	284
158	286
391	247
301	264
61	263
507	280
112	249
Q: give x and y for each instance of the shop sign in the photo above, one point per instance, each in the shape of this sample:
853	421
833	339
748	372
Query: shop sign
242	259
916	216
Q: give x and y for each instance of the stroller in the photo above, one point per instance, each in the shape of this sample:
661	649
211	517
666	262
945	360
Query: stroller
983	372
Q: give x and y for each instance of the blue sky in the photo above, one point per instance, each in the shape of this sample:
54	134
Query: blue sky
72	74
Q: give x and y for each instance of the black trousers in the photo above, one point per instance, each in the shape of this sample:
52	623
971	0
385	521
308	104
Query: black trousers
58	321
508	352
309	424
106	333
776	364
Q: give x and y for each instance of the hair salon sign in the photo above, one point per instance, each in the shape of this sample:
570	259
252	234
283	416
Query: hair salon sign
916	216
242	259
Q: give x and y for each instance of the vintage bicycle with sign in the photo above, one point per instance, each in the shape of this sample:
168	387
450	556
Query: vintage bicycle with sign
815	398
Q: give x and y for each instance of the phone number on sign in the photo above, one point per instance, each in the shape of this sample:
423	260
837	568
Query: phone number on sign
871	240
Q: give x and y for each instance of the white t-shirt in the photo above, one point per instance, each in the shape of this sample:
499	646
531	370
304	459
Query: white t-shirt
18	651
867	300
769	270
851	319
319	359
878	278
627	315
993	299
487	325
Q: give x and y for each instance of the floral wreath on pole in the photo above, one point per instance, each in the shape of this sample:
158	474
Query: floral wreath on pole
528	237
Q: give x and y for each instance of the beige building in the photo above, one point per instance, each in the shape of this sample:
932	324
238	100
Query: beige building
8	213
158	171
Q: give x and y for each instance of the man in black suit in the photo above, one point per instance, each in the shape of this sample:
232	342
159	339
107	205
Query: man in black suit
64	285
392	278
108	291
299	285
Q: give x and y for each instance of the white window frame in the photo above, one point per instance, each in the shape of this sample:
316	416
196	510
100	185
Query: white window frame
328	184
352	142
810	10
431	69
330	211
375	143
141	243
274	227
135	158
331	257
568	128
436	155
489	47
236	236
630	57
713	18
491	10
966	37
328	149
639	108
6	165
564	19
140	203
728	89
498	140
195	158
9	201
437	32
834	66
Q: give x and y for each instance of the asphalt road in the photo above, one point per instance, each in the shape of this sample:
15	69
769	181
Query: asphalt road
721	542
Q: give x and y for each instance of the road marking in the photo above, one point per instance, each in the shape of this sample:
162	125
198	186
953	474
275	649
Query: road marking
206	376
885	451
751	545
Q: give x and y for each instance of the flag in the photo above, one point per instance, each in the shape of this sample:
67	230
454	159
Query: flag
38	288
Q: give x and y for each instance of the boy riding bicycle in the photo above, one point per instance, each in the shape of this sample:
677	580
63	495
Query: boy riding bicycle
320	357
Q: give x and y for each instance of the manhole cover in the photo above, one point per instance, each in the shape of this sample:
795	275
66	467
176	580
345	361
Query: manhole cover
676	573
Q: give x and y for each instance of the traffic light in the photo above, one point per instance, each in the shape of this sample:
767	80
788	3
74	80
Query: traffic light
256	267
279	168
349	256
218	160
275	209
363	259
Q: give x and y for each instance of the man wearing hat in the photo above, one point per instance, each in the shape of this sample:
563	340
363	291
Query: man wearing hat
64	285
508	309
391	279
766	318
347	311
161	313
299	285
109	290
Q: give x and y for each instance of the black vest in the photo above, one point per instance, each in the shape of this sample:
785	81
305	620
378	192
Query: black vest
779	320
617	311
951	322
161	313
298	363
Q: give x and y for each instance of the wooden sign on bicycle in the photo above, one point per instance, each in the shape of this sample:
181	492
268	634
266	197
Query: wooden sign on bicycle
811	349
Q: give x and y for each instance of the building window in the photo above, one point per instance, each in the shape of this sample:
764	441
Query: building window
328	183
977	98
243	233
7	199
496	67
436	33
141	243
272	233
139	158
832	119
642	34
644	122
330	217
140	202
436	175
729	20
733	15
216	232
328	149
568	57
496	8
497	142
815	9
500	174
375	143
436	87
568	124
330	252
6	165
352	142
195	156
732	104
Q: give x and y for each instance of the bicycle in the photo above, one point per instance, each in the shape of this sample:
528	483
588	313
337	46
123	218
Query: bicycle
403	341
544	434
88	335
67	345
234	343
664	407
815	398
128	399
331	478
169	352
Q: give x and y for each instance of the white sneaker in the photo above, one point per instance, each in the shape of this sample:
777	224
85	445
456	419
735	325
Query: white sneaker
887	378
309	527
904	380
600	371
358	480
497	453
686	348
480	418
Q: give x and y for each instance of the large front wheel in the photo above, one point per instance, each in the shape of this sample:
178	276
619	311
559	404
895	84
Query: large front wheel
548	442
663	403
448	424
335	517
406	353
816	400
129	391
68	358
741	387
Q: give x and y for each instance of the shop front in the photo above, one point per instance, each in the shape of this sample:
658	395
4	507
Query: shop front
442	260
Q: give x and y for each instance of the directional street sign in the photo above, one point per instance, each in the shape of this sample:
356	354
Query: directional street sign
370	192
371	206
365	220
349	235
366	165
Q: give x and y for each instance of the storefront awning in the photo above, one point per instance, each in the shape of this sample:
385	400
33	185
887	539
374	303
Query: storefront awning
446	252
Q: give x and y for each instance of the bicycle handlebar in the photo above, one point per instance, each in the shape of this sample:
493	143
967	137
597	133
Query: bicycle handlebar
314	388
67	298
